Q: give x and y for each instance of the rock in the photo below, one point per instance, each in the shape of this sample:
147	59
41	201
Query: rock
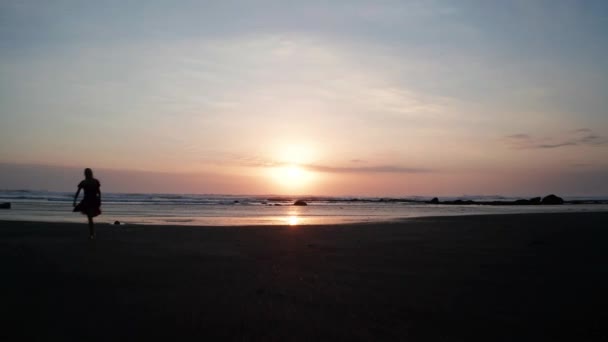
461	202
116	223
552	199
522	202
435	200
300	202
6	205
535	200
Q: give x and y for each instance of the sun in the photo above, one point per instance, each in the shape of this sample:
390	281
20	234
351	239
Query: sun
292	177
294	173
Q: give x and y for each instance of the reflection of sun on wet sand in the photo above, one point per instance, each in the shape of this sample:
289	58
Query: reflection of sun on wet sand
482	278
293	220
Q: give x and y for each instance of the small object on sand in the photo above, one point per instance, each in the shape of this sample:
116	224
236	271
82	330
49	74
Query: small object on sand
6	205
300	202
116	223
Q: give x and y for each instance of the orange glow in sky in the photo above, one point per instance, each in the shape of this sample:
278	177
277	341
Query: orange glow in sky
431	98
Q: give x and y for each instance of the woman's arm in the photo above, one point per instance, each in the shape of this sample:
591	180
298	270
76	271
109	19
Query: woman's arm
76	195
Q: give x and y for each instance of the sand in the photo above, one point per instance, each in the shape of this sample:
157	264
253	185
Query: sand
484	278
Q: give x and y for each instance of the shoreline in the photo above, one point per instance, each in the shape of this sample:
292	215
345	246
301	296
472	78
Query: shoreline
283	220
524	277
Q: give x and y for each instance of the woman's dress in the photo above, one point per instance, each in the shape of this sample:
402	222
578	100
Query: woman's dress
91	203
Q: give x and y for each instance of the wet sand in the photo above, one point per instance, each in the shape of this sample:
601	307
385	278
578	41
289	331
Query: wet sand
484	278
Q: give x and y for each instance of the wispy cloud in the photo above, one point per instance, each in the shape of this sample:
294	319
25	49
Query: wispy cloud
578	137
581	130
367	169
518	136
265	163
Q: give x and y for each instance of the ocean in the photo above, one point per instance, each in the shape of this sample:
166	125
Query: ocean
233	210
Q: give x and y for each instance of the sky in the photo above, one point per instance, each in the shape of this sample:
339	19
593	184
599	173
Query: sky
371	98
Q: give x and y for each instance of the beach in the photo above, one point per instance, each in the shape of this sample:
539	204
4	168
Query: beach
521	277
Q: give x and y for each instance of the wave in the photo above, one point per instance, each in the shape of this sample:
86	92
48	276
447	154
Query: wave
191	199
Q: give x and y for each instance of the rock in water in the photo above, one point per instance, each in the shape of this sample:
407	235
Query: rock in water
6	205
435	200
535	200
300	202
552	199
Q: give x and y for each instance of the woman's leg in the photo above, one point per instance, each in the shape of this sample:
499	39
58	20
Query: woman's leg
91	227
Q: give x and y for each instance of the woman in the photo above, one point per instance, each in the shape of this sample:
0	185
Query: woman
92	199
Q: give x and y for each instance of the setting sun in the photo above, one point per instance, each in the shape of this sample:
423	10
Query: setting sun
290	171
294	173
292	177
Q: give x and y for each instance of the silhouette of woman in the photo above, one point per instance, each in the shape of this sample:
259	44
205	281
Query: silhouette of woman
91	203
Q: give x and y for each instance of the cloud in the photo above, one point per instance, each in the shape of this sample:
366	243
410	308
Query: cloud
581	130
261	162
593	139
562	144
368	169
518	136
578	137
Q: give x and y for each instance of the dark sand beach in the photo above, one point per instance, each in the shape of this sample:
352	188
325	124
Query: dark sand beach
537	277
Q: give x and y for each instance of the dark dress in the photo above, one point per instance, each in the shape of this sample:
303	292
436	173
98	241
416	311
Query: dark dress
90	204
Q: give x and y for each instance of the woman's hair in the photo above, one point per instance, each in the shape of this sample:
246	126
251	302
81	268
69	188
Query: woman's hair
88	173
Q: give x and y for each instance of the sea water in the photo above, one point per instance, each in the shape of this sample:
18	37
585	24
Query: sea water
229	210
